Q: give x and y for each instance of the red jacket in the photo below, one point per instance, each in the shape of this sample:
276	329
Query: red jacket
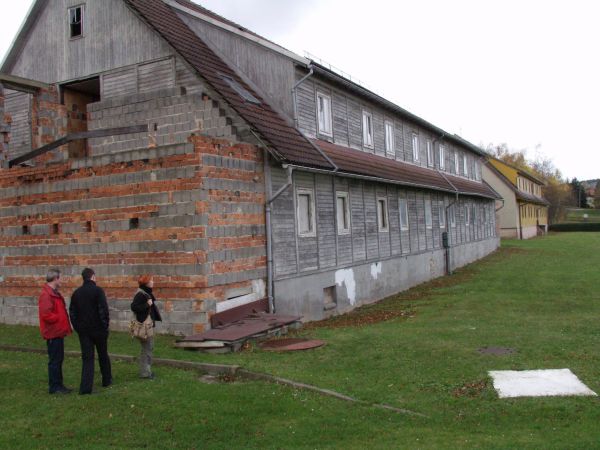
54	321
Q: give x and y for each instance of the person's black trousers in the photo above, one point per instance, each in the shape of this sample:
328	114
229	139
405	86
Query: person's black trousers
56	355
89	340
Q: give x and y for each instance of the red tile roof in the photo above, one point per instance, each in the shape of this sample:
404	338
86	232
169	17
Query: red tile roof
286	142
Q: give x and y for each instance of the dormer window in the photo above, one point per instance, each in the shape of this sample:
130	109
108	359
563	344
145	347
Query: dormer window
76	21
324	113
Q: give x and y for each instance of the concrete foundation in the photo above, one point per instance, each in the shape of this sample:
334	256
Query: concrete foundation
317	296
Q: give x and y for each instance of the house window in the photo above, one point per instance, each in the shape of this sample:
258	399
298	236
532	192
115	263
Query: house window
442	157
452	216
305	199
76	21
465	166
467	215
415	147
403	207
477	171
442	213
429	154
389	138
343	213
456	164
382	214
324	113
428	219
367	129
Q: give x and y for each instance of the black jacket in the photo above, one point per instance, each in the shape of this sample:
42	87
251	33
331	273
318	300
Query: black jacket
89	309
140	305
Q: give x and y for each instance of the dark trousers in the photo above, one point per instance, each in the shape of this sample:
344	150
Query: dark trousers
56	355
89	340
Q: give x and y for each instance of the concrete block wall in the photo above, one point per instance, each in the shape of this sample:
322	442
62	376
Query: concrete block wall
190	213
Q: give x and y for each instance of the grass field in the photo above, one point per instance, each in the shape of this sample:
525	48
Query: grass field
540	297
577	215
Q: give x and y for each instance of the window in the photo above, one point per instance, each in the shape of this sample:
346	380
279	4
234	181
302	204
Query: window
76	21
465	166
305	199
134	223
389	138
367	129
429	154
442	213
382	214
452	216
324	113
403	207
477	171
428	219
456	164
467	215
343	213
415	147
442	157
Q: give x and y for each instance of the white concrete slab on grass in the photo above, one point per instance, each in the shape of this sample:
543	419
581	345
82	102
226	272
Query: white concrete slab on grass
538	383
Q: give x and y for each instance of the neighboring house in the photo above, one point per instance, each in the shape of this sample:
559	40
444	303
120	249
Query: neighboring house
523	212
246	171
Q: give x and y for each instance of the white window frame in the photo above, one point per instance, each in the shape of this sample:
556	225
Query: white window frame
467	215
82	7
456	163
311	211
403	212
453	216
442	213
429	153
465	166
389	138
367	128
442	155
345	212
428	214
383	227
324	117
415	147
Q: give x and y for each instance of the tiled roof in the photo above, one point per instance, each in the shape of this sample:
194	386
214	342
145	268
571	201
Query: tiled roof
287	143
356	162
286	140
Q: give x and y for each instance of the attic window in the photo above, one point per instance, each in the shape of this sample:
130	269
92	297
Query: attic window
241	91
76	21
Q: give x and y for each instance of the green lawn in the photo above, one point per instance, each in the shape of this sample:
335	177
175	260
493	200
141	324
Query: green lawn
577	215
539	297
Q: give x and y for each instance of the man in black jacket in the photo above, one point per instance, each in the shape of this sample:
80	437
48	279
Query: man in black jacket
89	316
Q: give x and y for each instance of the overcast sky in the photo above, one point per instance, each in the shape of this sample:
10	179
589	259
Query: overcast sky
525	73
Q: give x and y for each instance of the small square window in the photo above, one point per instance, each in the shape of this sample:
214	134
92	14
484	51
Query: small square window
382	215
134	223
389	138
324	114
403	207
415	147
367	129
76	21
342	213
305	199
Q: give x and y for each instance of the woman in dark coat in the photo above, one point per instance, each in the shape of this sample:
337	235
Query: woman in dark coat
144	303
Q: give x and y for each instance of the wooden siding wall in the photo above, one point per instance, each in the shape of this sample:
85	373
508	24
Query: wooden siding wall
113	37
347	128
328	249
270	71
18	106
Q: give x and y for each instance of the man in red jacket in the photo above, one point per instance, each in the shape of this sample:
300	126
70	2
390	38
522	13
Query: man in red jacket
54	325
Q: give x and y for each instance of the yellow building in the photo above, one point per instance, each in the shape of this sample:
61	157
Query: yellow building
524	212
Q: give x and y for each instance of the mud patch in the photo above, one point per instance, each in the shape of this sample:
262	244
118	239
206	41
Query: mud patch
472	389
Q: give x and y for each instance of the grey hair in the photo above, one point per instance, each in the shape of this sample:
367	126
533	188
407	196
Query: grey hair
52	275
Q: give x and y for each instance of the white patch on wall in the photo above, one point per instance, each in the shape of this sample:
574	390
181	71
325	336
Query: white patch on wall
376	269
538	383
346	277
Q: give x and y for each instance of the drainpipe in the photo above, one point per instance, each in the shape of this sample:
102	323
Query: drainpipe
270	283
520	224
298	83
